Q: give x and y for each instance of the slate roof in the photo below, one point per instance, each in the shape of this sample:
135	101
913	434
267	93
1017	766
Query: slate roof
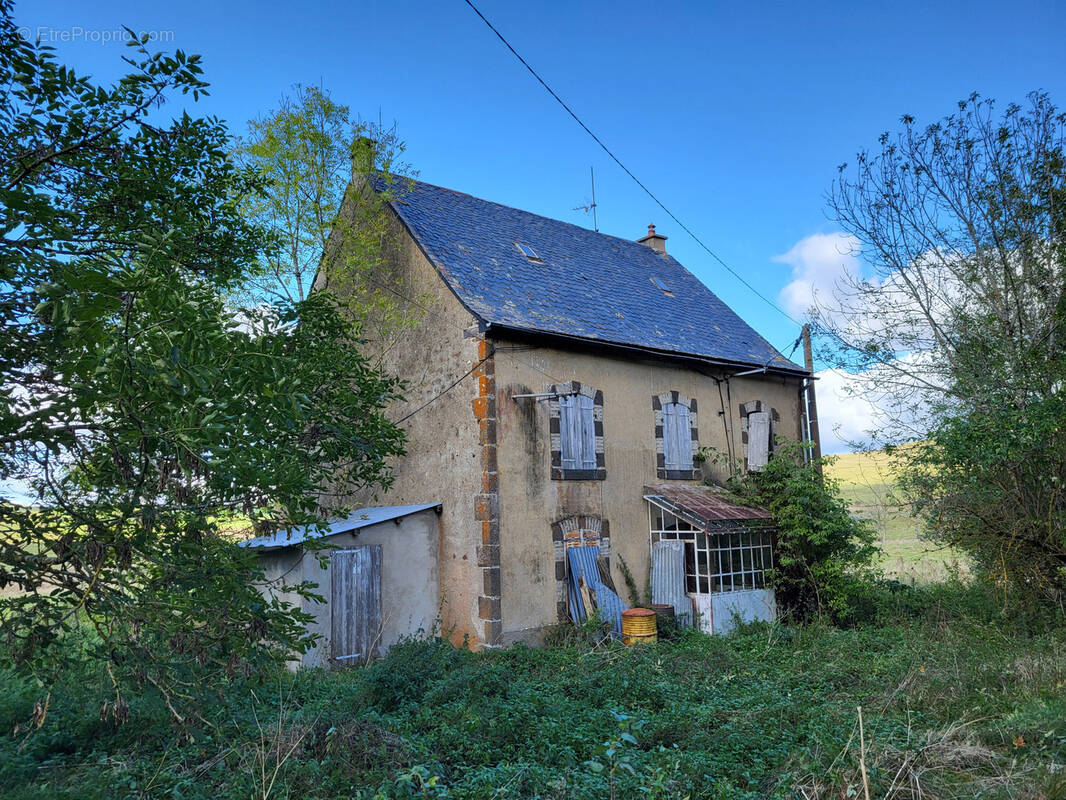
361	518
586	284
701	504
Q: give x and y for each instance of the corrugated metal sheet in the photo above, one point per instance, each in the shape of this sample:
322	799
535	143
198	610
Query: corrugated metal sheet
357	519
668	579
582	563
707	503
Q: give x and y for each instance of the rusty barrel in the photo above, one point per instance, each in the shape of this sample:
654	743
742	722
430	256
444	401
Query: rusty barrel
664	611
638	626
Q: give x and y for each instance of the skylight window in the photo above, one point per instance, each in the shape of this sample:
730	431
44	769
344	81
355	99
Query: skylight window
661	285
528	251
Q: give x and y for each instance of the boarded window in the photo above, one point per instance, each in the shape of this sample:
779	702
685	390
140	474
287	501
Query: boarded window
758	439
677	436
577	432
355	603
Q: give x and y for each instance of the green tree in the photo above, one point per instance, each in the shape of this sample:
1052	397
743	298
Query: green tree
142	408
962	325
823	555
312	158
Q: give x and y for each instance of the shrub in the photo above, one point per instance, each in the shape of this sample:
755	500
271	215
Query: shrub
824	555
989	482
409	670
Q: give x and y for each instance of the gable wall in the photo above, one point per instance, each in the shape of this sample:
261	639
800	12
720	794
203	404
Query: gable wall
530	502
444	455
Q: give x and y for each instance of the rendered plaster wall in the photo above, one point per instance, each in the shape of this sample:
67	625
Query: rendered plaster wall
530	501
443	462
282	568
410	580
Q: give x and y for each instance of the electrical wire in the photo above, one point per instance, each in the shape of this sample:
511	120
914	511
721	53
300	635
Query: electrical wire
817	329
628	172
437	397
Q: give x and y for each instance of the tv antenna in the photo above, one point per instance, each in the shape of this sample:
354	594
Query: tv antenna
591	206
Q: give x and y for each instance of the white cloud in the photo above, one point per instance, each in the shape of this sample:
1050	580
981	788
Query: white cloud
818	262
843	418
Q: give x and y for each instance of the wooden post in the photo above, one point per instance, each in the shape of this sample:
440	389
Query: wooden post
812	402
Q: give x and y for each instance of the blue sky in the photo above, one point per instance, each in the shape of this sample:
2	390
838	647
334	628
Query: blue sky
736	115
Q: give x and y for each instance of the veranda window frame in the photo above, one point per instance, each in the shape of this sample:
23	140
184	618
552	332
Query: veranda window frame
738	563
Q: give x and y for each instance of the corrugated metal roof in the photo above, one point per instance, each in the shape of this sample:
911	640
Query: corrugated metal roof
357	519
707	503
581	283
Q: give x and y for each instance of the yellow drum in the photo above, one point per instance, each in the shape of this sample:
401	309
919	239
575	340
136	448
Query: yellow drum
638	626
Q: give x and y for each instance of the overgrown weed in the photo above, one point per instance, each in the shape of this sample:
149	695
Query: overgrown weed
958	702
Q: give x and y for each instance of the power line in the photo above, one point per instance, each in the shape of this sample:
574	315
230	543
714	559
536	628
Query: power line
816	329
437	397
627	171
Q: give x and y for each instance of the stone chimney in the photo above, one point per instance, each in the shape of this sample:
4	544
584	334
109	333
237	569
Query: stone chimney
364	155
655	241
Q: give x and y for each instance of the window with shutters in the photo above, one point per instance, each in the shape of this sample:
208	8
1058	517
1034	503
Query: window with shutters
676	436
575	417
758	424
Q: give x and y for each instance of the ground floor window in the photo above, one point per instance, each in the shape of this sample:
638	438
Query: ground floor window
580	530
723	557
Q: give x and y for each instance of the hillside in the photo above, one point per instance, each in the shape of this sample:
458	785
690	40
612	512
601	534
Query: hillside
868	484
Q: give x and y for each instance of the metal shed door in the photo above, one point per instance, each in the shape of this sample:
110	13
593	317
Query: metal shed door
355	602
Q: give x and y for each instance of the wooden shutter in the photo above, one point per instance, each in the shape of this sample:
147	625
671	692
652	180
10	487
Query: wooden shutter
758	439
683	431
677	436
569	431
355	603
577	432
670	435
588	432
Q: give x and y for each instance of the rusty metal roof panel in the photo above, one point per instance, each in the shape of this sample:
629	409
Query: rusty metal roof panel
707	503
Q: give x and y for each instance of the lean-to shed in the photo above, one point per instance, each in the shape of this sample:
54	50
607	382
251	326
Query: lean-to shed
376	570
725	550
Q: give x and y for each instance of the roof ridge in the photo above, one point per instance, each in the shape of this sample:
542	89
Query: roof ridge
532	214
585	284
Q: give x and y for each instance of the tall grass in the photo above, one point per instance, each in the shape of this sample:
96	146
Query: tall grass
958	701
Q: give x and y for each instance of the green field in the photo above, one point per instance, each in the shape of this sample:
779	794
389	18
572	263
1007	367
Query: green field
868	484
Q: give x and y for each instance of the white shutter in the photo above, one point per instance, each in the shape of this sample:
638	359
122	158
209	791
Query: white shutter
758	439
569	438
683	430
670	436
588	432
677	436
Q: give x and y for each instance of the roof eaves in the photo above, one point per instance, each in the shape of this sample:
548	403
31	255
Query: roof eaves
360	518
794	371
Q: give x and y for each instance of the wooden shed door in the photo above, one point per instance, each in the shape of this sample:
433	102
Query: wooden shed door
355	603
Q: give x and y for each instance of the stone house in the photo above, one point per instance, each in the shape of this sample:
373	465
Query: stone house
563	388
